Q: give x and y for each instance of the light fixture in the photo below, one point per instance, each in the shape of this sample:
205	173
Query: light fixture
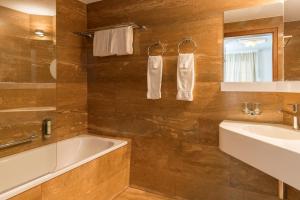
252	42
39	33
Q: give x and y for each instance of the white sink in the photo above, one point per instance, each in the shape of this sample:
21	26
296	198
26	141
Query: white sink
271	148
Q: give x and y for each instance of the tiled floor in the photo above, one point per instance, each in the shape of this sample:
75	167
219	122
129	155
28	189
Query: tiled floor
134	194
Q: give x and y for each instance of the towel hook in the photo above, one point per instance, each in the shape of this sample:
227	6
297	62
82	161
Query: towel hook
185	41
157	44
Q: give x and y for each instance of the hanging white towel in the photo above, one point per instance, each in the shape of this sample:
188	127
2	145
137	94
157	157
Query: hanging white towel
122	41
185	77
154	77
102	43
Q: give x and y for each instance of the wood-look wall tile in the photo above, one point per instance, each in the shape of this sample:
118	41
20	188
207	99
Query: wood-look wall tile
244	177
103	179
175	144
71	78
132	194
17	98
291	52
32	194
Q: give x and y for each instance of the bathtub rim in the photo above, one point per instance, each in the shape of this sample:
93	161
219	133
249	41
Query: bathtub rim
118	143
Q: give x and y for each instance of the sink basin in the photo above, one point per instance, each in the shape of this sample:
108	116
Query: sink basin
269	131
271	148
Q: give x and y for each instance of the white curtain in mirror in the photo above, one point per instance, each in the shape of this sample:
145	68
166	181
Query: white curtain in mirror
248	58
241	67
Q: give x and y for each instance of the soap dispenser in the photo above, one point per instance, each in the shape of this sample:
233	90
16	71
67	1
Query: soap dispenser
47	128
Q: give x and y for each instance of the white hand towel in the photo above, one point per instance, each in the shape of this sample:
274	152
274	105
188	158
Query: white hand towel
185	77
154	77
122	41
102	43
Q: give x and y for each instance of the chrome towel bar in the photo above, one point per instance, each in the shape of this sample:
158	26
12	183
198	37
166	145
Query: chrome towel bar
90	33
18	142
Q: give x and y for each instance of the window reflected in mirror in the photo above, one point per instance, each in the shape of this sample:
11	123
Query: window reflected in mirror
248	58
253	44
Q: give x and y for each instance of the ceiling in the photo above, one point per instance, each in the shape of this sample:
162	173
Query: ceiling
235	44
33	7
292	10
252	13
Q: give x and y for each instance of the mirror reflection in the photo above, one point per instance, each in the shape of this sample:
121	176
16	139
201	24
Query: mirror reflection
248	58
292	40
27	35
253	44
27	65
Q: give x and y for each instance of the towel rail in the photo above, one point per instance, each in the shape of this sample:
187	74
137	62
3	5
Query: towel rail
157	44
185	41
18	142
90	33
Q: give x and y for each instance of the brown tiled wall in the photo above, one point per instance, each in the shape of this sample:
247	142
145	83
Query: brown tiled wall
175	144
71	116
292	51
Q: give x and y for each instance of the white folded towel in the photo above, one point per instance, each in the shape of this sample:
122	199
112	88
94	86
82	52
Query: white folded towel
102	43
185	77
122	41
154	77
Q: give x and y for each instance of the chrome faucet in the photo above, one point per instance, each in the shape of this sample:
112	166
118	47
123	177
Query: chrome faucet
295	113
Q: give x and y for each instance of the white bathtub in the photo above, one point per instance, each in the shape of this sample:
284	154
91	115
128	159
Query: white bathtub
28	169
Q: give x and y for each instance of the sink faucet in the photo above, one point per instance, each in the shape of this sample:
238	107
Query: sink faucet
295	113
252	109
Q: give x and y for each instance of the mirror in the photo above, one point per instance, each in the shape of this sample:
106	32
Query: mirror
292	40
253	44
27	34
27	66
